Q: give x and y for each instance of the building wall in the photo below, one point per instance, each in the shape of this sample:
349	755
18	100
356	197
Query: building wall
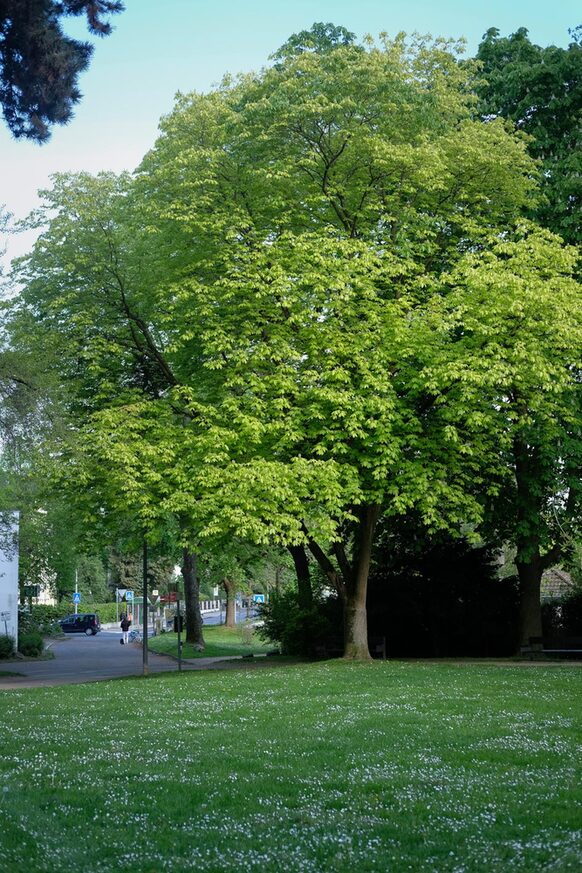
9	574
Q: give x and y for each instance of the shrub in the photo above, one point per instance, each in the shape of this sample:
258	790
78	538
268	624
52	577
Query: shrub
106	611
44	618
562	616
434	595
25	621
297	629
6	646
246	634
31	644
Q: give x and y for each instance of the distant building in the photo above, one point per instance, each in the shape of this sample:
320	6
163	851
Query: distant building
9	574
555	583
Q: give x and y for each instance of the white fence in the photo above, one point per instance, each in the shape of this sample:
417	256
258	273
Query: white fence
210	605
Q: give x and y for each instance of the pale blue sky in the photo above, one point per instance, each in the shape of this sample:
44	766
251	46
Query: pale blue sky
159	48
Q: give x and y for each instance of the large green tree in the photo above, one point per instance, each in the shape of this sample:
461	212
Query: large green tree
314	209
517	309
540	90
86	311
255	332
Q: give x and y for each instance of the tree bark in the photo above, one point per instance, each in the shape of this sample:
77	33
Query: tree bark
530	613
304	591
192	597
529	562
355	615
230	591
304	597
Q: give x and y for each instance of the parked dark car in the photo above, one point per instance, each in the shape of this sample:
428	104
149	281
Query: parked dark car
82	623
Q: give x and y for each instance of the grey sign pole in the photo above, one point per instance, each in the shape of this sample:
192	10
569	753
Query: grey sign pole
179	628
145	609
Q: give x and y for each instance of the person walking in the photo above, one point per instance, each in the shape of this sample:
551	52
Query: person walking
125	626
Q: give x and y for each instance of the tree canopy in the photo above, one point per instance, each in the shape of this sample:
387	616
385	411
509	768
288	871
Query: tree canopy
315	305
540	90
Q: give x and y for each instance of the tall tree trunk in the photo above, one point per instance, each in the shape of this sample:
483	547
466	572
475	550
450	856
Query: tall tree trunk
304	591
355	615
529	562
530	613
304	598
192	598
230	591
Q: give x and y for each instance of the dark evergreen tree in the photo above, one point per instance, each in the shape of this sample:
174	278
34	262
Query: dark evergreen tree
435	595
40	65
540	90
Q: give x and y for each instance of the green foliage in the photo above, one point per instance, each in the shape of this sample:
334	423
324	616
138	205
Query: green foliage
319	38
325	244
297	629
92	578
43	618
6	646
302	313
540	90
248	567
30	644
105	611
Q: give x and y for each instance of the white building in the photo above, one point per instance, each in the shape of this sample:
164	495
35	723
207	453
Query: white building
9	574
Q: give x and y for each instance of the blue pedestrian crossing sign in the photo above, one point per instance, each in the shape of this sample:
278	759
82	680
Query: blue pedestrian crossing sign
76	597
129	595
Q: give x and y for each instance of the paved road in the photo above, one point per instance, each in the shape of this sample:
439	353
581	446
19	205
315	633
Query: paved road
85	659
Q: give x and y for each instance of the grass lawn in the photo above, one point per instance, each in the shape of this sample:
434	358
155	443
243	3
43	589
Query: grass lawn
219	640
320	767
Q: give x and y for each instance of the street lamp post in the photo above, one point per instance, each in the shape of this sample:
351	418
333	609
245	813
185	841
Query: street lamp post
145	610
179	617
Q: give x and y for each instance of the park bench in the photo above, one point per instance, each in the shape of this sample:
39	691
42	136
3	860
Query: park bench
323	652
377	646
565	646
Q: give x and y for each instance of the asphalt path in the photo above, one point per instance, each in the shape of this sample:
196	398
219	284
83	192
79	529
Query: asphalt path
78	658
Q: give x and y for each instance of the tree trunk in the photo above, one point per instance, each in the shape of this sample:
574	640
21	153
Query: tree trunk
356	623
304	598
192	598
230	591
355	615
529	563
305	594
530	613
